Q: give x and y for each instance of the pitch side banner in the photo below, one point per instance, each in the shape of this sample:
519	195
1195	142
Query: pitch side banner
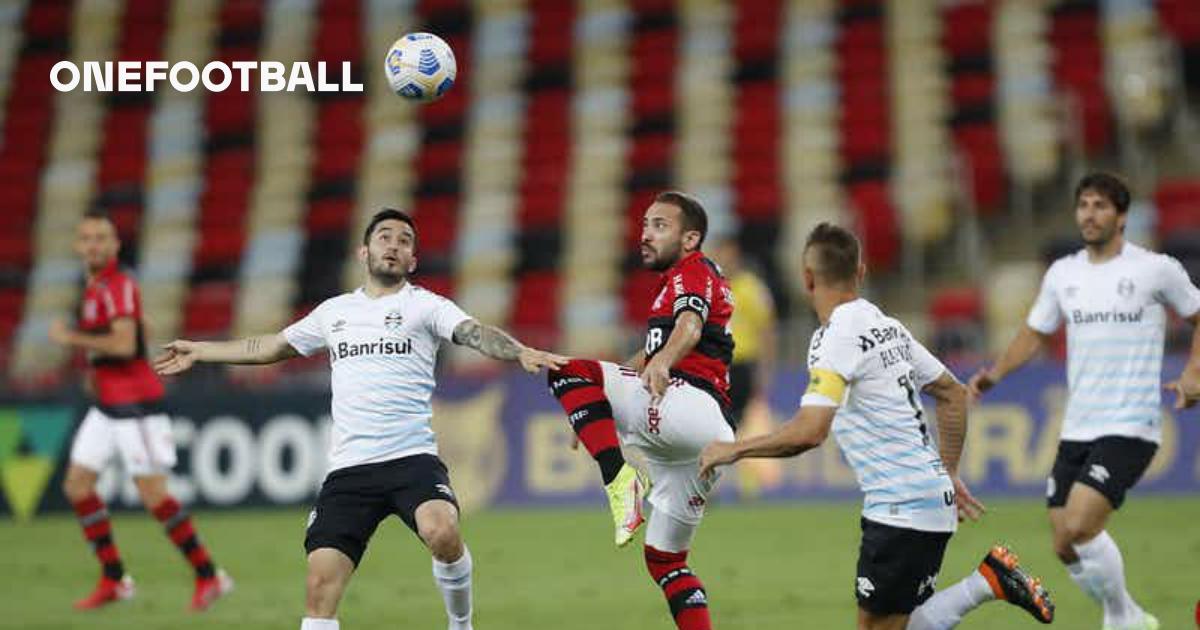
507	444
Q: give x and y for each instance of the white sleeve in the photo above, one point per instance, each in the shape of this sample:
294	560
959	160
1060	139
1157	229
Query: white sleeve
445	317
1046	316
833	361
1177	290
927	367
307	335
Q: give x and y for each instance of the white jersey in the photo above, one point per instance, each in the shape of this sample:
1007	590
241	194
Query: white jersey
1116	326
382	353
868	365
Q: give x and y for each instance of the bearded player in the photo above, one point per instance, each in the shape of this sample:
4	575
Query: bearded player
670	400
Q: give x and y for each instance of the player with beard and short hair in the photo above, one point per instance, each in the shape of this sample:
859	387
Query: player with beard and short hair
127	419
1112	296
670	400
866	376
382	341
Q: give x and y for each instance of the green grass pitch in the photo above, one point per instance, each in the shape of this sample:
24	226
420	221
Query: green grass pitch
764	566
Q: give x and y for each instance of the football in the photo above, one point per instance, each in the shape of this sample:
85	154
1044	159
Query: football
421	67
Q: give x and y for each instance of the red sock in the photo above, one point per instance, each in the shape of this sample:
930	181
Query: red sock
579	387
97	529
179	528
683	590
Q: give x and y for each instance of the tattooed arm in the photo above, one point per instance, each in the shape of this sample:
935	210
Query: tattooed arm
497	344
181	354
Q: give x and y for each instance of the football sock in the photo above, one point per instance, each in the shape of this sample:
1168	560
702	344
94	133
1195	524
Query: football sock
1100	572
93	518
454	580
947	607
312	623
579	388
178	524
683	590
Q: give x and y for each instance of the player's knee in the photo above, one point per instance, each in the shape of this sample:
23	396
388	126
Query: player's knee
76	488
443	539
1076	529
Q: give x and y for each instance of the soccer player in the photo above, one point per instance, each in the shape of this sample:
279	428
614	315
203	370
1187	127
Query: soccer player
1112	295
866	375
127	418
670	401
382	341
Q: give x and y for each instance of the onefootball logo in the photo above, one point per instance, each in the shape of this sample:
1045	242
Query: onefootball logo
184	76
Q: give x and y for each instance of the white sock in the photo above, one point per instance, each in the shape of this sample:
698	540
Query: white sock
454	580
1103	577
313	623
947	607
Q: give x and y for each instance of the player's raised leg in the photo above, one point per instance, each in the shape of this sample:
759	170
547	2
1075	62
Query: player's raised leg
998	577
1093	559
580	389
437	525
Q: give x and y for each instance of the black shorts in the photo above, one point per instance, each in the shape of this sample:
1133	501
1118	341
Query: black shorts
1111	465
741	384
897	567
354	500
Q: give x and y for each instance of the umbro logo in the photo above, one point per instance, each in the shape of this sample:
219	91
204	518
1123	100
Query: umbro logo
444	489
1099	473
865	587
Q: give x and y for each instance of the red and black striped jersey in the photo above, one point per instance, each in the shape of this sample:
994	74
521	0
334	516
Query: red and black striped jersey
695	284
119	383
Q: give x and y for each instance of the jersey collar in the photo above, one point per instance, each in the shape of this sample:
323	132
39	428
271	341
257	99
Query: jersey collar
107	271
696	255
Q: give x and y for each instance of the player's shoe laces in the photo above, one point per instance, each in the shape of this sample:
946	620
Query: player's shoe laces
107	591
1147	622
625	494
1012	584
209	590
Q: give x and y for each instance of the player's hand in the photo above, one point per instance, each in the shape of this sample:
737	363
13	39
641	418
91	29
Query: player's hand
1186	388
178	356
656	377
968	506
59	332
713	455
980	383
534	361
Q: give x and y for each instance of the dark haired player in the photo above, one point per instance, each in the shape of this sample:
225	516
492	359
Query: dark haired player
382	341
866	373
1112	295
127	418
671	400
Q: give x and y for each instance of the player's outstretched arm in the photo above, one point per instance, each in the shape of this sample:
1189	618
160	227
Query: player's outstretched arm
497	344
805	431
1026	346
179	355
1187	386
951	399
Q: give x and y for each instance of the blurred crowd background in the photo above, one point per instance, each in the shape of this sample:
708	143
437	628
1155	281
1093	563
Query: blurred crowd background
947	132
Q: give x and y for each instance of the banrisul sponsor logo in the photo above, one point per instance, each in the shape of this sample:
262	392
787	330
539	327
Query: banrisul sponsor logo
383	346
1114	316
31	445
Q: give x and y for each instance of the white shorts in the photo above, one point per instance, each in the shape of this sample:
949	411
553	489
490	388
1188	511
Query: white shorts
145	444
670	437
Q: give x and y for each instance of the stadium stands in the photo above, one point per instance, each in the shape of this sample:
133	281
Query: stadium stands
241	209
